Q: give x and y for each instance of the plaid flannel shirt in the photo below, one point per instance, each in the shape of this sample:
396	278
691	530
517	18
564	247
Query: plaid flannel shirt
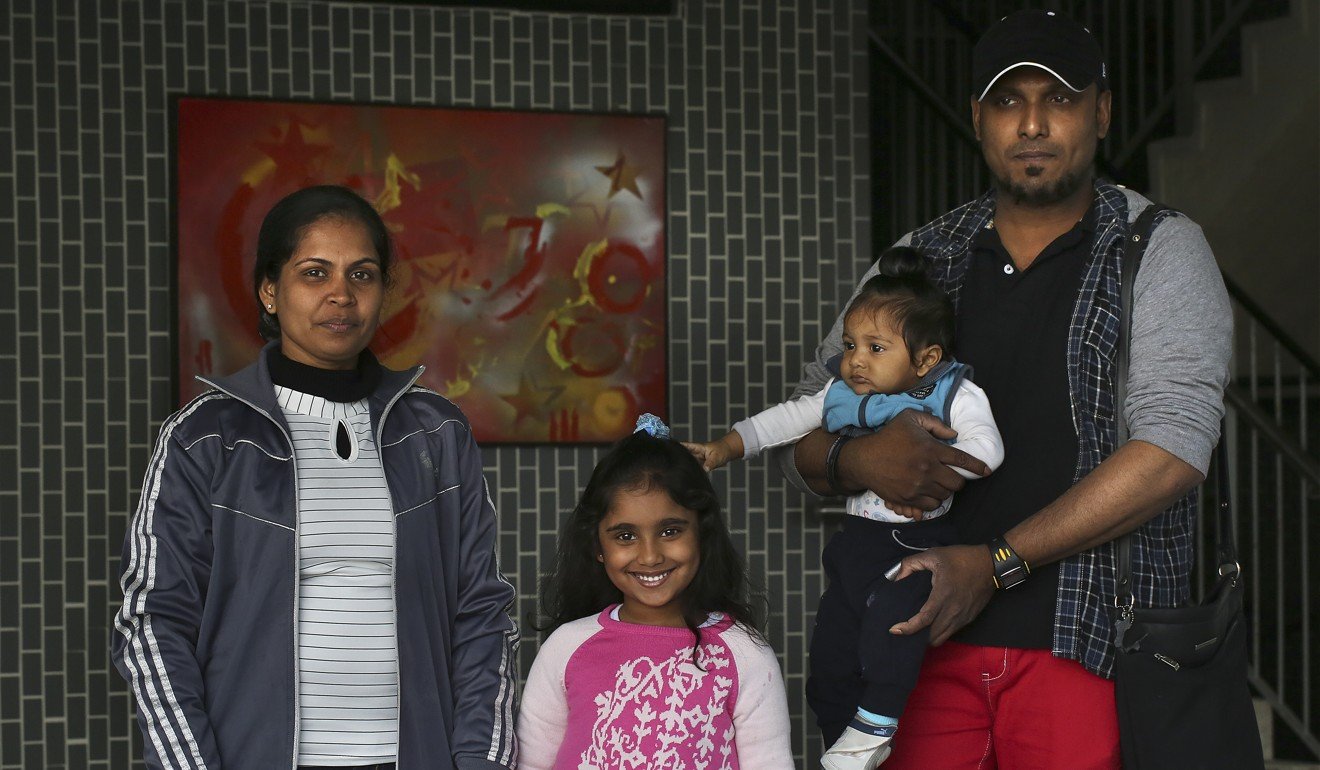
1161	548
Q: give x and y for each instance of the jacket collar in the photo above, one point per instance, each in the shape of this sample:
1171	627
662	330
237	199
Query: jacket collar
1108	206
253	386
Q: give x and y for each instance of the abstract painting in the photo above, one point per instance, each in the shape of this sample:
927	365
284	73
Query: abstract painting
529	273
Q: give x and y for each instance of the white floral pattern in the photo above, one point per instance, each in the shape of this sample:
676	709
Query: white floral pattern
666	715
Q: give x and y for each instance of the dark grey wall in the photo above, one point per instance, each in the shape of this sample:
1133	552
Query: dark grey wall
768	160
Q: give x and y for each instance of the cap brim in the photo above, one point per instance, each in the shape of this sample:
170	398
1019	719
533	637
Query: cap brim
1011	67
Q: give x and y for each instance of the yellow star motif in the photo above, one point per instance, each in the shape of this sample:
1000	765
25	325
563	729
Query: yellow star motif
622	177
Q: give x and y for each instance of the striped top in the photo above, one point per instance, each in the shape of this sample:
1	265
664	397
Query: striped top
348	663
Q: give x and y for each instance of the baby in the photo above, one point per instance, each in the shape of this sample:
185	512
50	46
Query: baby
896	337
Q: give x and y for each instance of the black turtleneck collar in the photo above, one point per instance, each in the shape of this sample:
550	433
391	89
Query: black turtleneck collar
341	385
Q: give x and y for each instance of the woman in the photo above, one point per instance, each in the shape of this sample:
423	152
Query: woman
310	578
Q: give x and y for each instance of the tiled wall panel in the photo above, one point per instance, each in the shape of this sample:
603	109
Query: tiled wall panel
767	154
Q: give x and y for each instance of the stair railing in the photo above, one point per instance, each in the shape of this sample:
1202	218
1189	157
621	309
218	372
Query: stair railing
1275	486
1274	370
1198	31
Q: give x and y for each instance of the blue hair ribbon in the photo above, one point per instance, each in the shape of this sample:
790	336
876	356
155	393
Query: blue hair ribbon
653	425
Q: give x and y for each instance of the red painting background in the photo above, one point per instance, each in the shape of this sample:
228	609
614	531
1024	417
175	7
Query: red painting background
530	269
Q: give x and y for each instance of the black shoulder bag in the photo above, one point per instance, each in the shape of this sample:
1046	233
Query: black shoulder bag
1181	673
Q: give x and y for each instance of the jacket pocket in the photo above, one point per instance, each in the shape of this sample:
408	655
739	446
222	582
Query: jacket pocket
1098	352
419	474
258	484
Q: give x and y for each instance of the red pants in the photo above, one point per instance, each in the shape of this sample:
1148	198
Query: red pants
995	707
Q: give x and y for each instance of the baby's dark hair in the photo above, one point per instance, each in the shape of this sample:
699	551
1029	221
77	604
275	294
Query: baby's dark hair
579	586
905	293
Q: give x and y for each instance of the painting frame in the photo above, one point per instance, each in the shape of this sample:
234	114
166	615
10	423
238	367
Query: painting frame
630	158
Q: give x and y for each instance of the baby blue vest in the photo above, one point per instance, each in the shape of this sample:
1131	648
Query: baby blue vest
851	414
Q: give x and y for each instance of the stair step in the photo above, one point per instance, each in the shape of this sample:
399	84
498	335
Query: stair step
1221	104
1265	721
1269	48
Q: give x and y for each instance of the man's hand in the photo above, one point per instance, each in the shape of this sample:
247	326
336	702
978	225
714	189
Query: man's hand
962	582
906	463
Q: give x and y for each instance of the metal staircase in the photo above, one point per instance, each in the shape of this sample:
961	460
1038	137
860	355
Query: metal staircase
925	161
1272	419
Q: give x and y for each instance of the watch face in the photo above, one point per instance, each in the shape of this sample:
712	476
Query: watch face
1012	576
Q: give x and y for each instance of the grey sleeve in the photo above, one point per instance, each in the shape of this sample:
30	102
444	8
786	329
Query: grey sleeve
814	377
1182	337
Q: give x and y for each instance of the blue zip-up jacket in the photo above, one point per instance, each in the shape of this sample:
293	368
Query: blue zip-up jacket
207	633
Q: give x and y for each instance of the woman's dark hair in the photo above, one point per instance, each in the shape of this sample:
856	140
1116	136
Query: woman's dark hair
905	292
282	231
579	586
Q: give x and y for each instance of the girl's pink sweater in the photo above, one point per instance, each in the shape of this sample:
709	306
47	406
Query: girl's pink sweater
606	694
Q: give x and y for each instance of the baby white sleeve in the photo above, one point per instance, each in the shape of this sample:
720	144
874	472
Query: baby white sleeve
782	423
978	435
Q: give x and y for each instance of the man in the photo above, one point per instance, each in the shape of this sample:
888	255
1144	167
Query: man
1033	267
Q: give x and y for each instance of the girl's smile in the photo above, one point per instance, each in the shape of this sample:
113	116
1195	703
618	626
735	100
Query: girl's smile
649	548
652	580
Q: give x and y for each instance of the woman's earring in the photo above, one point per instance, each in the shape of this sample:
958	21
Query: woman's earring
269	306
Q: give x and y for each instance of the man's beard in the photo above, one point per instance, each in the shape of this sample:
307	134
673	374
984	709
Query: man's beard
1043	195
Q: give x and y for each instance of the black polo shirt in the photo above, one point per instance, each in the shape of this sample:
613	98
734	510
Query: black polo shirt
1013	330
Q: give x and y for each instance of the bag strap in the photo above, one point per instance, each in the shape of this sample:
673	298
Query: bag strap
1225	547
1225	543
1135	248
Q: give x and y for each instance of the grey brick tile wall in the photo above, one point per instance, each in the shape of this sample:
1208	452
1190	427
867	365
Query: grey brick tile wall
767	153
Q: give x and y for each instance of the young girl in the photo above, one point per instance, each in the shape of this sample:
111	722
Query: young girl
896	337
654	661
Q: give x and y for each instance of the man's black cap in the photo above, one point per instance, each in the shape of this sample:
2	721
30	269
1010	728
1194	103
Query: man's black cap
1044	39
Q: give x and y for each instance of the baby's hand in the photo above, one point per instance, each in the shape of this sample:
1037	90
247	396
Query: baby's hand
712	455
718	453
911	512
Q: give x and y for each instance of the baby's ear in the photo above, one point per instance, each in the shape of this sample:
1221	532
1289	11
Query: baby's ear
928	358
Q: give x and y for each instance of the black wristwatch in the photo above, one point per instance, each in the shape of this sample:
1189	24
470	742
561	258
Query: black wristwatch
1010	569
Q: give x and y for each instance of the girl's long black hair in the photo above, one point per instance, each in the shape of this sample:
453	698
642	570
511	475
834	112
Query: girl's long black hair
579	587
